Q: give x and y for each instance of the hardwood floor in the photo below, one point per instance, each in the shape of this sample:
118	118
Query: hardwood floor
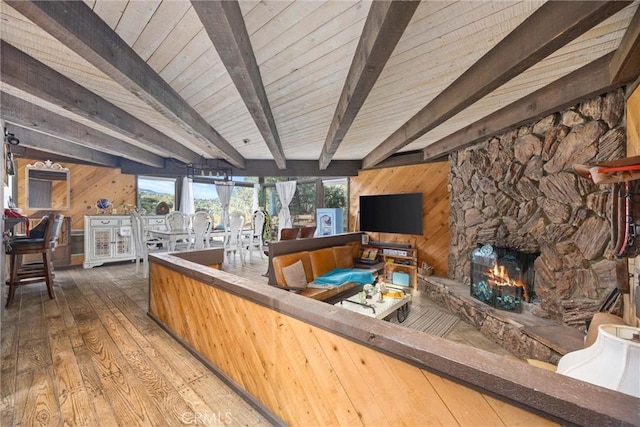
93	357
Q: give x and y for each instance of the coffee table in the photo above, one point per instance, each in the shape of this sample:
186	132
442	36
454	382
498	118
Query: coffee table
378	309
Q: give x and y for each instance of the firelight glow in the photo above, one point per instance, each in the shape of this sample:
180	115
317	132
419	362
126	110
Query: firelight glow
498	276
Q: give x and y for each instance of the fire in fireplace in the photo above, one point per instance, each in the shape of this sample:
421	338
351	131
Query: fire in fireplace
502	277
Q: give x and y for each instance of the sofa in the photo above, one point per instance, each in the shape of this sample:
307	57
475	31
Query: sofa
322	273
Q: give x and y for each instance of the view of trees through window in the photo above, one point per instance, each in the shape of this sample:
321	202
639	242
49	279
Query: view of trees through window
336	196
152	190
205	198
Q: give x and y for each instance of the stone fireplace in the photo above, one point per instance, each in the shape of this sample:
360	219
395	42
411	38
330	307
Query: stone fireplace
519	190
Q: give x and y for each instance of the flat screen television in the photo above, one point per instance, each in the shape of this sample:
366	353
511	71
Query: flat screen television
392	213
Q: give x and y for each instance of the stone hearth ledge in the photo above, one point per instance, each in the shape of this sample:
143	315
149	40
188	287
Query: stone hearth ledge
524	334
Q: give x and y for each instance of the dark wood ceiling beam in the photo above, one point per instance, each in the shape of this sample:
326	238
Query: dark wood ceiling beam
260	168
625	65
81	30
32	76
382	30
226	28
61	147
549	28
31	116
402	159
583	83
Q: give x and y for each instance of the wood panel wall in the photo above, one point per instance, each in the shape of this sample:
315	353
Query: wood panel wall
88	184
307	375
430	179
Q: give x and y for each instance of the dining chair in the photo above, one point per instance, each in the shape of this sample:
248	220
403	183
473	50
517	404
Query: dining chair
177	220
142	243
201	226
289	233
233	240
139	243
36	243
255	241
307	231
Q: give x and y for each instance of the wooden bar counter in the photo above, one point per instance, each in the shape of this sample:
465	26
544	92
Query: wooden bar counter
304	362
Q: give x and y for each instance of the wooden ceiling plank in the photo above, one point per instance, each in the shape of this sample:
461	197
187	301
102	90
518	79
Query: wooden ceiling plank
110	11
625	64
31	116
343	29
226	28
30	75
75	25
134	19
382	30
191	52
179	36
583	83
161	24
51	144
549	28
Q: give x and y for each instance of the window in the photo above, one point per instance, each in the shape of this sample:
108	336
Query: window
153	190
303	205
336	196
205	198
305	200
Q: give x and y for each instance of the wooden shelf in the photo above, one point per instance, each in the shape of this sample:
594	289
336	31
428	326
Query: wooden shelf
395	261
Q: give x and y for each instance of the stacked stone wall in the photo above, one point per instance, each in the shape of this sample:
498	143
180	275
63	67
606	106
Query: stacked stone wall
519	190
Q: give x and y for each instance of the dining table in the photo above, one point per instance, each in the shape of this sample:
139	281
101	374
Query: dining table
173	236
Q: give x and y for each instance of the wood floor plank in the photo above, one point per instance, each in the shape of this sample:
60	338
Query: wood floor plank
8	360
132	405
38	406
165	397
73	398
100	403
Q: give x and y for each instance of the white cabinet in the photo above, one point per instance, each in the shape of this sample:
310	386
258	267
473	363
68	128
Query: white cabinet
107	238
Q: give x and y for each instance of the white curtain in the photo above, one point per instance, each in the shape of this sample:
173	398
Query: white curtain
285	190
224	189
186	196
255	203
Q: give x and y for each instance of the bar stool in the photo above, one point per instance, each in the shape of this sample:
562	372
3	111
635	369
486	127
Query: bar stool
24	274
